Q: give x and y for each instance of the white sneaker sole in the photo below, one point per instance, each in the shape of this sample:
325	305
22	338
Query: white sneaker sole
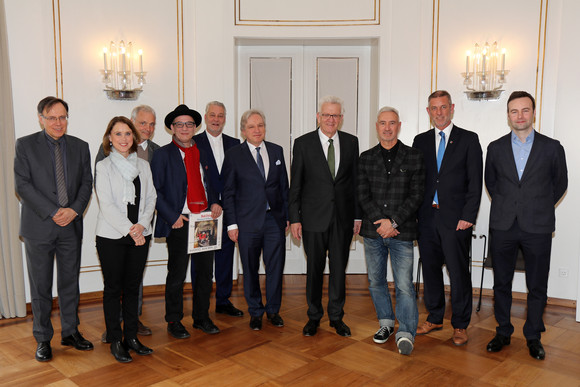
405	346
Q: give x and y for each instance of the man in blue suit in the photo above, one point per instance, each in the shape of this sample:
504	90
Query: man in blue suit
215	144
453	183
526	176
52	173
256	214
179	175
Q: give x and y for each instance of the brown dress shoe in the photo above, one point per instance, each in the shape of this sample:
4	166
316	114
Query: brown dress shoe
428	327
459	337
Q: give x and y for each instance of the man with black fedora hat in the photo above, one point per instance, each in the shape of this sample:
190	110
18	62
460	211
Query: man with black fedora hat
178	170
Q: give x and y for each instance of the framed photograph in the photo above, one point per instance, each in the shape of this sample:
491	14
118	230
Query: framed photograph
205	233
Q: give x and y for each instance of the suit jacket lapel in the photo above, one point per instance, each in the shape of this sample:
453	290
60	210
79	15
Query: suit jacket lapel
345	154
454	138
534	155
318	153
250	158
508	153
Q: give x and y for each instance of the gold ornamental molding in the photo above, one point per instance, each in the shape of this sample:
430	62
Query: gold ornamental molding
540	57
57	41
275	13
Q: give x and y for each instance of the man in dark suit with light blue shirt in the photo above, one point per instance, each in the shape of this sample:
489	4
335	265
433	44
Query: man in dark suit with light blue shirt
256	214
52	173
453	183
526	176
215	144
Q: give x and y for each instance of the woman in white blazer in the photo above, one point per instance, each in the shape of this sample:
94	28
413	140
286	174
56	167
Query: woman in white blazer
126	197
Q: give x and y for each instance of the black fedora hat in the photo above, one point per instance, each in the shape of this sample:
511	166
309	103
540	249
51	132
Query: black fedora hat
182	110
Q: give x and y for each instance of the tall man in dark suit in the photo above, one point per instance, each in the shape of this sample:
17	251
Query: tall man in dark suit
323	209
525	175
390	188
256	214
215	144
52	173
453	184
143	117
179	175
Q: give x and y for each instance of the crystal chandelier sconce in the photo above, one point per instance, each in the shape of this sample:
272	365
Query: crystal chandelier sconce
123	73
485	72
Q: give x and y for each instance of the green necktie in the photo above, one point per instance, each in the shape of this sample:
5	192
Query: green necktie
330	157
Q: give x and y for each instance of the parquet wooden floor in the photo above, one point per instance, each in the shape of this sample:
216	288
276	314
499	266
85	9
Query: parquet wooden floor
273	356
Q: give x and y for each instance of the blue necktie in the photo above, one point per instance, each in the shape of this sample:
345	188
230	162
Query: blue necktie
440	152
260	162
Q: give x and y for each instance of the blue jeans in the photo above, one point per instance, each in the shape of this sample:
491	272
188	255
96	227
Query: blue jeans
376	255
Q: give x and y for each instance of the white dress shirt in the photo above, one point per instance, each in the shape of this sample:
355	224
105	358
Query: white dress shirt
325	143
217	148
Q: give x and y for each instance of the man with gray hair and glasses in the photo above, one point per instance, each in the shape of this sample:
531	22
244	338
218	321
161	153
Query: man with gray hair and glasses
52	173
323	209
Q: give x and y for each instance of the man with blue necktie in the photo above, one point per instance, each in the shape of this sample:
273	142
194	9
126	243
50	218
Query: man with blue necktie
453	183
255	203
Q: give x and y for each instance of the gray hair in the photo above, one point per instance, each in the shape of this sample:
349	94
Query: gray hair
215	103
142	108
439	94
331	99
388	109
247	114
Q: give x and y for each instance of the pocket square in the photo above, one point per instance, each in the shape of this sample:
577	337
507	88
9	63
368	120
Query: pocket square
403	170
278	162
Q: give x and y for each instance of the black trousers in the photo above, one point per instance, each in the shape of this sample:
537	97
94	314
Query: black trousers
65	248
224	268
269	241
177	271
438	246
336	241
122	264
504	250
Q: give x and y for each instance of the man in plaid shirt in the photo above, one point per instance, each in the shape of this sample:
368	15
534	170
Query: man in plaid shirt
390	188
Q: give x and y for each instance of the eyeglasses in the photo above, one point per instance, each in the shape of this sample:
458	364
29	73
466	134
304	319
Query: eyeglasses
179	125
53	119
333	116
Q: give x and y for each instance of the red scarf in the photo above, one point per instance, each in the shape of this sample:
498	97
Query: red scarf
196	200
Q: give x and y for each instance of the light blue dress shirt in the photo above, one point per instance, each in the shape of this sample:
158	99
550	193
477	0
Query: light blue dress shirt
522	151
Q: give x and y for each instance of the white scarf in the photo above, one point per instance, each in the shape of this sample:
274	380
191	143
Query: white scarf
129	171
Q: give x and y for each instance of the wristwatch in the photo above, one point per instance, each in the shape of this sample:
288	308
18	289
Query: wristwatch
394	224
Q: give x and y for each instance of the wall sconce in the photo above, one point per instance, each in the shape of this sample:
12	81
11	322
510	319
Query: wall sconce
485	74
119	74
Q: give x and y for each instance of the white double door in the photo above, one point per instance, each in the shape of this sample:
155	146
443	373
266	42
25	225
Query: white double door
285	82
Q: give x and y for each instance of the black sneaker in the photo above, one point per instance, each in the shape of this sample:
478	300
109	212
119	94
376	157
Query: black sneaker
383	334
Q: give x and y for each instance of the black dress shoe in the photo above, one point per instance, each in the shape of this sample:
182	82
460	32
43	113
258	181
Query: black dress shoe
256	323
206	326
497	343
120	352
104	338
536	349
143	330
78	341
137	346
341	328
177	330
229	309
275	319
43	351
310	328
